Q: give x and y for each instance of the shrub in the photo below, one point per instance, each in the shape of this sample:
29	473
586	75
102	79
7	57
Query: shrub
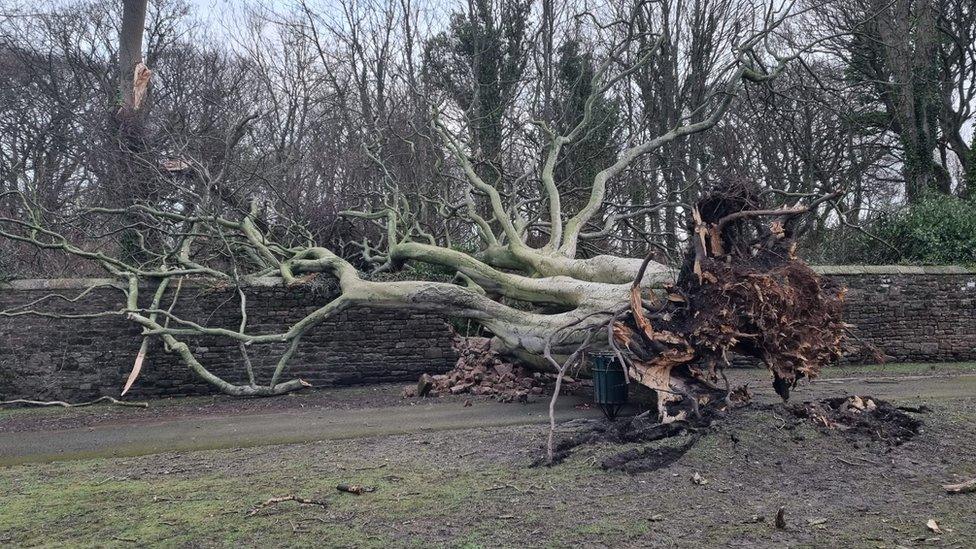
937	229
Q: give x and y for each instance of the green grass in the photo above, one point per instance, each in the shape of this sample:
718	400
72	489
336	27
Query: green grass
427	496
903	368
93	503
77	509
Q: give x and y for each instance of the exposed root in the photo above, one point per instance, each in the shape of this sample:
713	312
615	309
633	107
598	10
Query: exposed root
741	290
25	402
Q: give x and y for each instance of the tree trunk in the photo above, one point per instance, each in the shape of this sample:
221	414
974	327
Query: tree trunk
130	54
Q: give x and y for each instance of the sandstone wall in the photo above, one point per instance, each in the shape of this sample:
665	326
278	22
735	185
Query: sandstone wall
916	314
80	358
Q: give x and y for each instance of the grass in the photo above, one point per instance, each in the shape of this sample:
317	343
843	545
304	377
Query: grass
904	368
117	502
428	497
473	489
80	510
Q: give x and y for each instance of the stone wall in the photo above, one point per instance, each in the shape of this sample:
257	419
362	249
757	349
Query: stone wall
81	358
918	314
913	314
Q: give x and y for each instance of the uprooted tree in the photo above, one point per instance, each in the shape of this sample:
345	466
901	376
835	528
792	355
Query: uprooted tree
521	275
741	290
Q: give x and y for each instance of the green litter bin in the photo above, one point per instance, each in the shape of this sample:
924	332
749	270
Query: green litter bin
609	383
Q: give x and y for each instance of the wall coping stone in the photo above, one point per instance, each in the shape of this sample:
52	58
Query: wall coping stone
893	269
26	284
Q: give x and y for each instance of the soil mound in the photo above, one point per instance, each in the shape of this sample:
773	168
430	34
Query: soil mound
861	415
856	416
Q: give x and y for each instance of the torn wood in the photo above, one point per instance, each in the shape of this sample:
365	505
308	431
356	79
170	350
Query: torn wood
136	366
140	85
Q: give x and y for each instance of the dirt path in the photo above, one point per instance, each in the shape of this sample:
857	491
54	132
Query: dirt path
282	427
116	434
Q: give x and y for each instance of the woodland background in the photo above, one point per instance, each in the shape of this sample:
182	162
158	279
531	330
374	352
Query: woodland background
294	102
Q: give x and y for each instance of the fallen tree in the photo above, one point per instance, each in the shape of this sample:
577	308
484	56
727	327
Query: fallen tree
526	281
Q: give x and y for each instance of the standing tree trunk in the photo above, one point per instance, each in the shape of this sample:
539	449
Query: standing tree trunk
133	74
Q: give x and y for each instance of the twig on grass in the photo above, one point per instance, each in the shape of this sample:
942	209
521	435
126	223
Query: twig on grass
281	499
27	402
370	467
962	487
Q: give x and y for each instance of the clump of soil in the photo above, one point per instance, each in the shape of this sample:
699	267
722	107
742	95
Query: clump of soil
643	460
638	429
645	428
861	415
855	416
480	371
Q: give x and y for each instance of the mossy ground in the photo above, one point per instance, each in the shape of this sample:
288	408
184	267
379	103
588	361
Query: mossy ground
472	488
903	368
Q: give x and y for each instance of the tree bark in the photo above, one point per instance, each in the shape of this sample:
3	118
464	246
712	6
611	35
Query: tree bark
130	52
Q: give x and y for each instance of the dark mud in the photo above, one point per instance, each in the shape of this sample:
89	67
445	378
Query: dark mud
635	430
864	416
855	417
647	459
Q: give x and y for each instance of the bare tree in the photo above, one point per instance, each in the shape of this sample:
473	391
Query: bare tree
916	63
468	186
